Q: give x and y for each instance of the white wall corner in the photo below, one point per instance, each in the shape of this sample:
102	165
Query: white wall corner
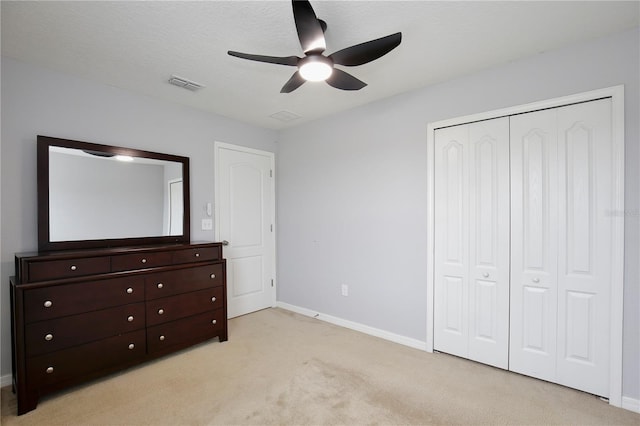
376	332
631	404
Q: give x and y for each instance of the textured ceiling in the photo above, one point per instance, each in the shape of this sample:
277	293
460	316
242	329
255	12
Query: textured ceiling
139	45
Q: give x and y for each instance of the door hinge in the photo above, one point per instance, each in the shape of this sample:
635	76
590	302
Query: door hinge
270	173
271	227
271	282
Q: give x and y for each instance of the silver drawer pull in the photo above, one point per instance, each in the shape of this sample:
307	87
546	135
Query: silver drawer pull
131	346
160	285
49	370
48	304
536	280
144	260
214	322
160	311
486	275
213	299
129	290
48	337
130	318
197	254
161	338
74	267
212	276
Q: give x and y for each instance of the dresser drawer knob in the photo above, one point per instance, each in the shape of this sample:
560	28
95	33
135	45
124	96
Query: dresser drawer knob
162	338
160	311
129	290
197	254
213	299
130	318
48	304
131	346
74	267
144	260
160	285
49	370
213	276
214	322
48	337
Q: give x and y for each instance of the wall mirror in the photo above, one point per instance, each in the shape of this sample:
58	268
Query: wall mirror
96	196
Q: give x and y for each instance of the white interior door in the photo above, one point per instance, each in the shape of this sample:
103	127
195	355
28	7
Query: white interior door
561	162
534	212
245	212
472	241
585	203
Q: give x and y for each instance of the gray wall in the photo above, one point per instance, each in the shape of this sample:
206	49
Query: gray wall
40	102
352	190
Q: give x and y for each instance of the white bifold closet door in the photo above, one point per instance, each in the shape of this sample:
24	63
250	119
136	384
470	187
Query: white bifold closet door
561	230
472	241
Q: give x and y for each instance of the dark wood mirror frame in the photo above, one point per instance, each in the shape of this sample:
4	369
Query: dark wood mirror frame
44	242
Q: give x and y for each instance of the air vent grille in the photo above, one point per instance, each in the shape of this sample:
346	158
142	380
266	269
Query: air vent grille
184	83
285	116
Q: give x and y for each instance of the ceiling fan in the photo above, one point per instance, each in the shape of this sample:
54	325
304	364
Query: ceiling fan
315	66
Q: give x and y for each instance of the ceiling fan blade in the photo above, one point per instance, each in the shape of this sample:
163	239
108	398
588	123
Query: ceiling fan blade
294	82
366	52
342	80
280	60
310	32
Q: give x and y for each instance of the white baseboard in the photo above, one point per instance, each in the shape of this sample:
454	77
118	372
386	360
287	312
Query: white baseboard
631	404
396	338
5	380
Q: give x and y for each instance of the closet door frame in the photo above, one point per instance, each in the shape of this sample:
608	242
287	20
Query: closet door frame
616	93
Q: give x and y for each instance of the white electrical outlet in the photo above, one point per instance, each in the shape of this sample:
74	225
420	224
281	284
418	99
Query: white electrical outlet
345	290
207	224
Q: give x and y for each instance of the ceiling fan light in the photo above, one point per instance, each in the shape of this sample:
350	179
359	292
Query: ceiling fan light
315	70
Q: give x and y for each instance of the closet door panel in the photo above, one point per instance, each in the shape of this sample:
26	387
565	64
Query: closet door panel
472	241
489	242
584	244
534	208
452	240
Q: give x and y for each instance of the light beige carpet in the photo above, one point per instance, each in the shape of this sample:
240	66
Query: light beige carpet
286	369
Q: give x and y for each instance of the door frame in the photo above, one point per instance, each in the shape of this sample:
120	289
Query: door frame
217	146
616	93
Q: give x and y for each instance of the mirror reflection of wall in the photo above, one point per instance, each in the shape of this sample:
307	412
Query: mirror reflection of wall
94	197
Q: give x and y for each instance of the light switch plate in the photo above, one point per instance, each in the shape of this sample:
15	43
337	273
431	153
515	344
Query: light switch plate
207	224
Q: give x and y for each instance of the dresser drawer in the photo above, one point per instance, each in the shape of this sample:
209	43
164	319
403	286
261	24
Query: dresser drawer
197	254
132	261
180	332
184	305
54	269
168	283
60	333
69	299
71	363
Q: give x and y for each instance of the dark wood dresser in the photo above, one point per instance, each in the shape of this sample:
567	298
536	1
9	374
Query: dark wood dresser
78	315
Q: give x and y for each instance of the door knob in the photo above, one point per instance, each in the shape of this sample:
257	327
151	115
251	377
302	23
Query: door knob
225	242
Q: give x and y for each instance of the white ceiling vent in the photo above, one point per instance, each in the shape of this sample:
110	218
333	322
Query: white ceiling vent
184	83
285	116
